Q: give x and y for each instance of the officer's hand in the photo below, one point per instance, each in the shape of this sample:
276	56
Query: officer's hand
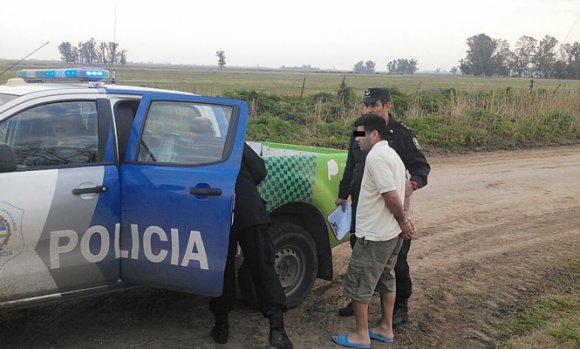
341	203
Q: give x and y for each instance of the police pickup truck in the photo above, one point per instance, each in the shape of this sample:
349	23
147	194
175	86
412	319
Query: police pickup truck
103	185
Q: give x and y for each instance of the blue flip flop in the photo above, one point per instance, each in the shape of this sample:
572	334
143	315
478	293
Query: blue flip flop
380	338
343	340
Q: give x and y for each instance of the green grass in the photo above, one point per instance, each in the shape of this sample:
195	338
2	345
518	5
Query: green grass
553	322
215	81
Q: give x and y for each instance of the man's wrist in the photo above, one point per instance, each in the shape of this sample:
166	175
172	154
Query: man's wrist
415	184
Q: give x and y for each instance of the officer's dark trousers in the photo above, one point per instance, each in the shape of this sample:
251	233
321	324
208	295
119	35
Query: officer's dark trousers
259	256
403	278
402	275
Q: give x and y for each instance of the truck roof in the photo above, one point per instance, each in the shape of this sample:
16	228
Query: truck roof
19	87
29	85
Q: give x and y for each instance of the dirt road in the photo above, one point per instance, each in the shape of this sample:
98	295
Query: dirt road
493	229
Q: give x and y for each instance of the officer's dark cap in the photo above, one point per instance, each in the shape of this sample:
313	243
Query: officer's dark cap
374	94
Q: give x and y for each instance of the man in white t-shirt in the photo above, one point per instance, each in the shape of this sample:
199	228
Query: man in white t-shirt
380	228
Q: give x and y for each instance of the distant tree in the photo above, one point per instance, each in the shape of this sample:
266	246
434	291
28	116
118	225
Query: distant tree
523	56
454	70
221	55
103	53
367	67
402	66
90	52
545	57
502	58
478	61
571	56
113	57
122	57
559	70
359	67
464	67
370	66
68	53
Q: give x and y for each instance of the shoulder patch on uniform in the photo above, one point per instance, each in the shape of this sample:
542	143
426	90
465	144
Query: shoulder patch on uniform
416	142
405	126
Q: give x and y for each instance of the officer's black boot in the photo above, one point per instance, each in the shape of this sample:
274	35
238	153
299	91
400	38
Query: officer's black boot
400	315
220	330
348	310
278	336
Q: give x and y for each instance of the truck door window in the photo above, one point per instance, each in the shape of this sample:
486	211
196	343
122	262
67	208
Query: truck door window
184	133
56	134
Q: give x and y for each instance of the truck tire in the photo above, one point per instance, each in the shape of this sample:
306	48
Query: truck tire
296	264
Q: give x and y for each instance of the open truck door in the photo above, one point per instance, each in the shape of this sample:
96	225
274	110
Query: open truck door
177	191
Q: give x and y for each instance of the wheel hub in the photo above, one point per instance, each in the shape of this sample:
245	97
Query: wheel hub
288	267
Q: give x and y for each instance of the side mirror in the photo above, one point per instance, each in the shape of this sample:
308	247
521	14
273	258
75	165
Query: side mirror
8	160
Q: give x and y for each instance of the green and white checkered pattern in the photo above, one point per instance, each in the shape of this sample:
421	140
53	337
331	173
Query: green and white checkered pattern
290	179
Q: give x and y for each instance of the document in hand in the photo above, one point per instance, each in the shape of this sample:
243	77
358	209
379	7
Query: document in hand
340	221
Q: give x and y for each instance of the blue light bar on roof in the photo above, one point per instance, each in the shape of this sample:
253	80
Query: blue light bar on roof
78	74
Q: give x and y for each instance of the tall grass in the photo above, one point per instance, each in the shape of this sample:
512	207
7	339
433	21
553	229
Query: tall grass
441	119
516	104
497	119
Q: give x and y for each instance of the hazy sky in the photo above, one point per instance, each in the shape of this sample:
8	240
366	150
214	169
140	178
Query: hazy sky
268	33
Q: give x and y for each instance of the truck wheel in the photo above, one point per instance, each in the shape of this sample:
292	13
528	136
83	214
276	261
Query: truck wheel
296	264
296	261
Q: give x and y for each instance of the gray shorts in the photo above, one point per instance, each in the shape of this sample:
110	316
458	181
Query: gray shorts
371	268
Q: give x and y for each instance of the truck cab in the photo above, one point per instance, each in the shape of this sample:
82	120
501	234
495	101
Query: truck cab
106	186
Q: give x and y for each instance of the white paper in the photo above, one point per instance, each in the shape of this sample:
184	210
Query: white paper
340	221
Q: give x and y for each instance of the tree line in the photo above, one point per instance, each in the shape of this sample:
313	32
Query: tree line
89	52
530	58
398	66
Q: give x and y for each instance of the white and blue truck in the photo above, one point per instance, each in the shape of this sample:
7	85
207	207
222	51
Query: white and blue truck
104	185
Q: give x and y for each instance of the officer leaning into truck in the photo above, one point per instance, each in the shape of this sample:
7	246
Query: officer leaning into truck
250	229
402	139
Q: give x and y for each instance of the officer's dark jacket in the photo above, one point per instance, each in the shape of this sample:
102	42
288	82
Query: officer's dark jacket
353	171
249	208
403	141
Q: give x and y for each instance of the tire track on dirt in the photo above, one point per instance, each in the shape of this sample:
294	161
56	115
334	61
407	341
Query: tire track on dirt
465	288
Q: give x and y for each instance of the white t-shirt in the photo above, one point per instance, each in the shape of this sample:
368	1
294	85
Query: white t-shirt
384	171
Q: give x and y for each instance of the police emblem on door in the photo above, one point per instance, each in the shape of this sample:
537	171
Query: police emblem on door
4	232
11	239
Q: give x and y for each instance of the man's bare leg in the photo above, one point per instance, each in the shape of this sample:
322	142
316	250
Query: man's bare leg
385	326
361	316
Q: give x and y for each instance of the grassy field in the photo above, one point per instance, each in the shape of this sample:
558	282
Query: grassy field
215	82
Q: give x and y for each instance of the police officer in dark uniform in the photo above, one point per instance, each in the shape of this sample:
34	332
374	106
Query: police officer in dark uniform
403	141
250	229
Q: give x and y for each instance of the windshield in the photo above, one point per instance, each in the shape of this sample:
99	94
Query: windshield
6	98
